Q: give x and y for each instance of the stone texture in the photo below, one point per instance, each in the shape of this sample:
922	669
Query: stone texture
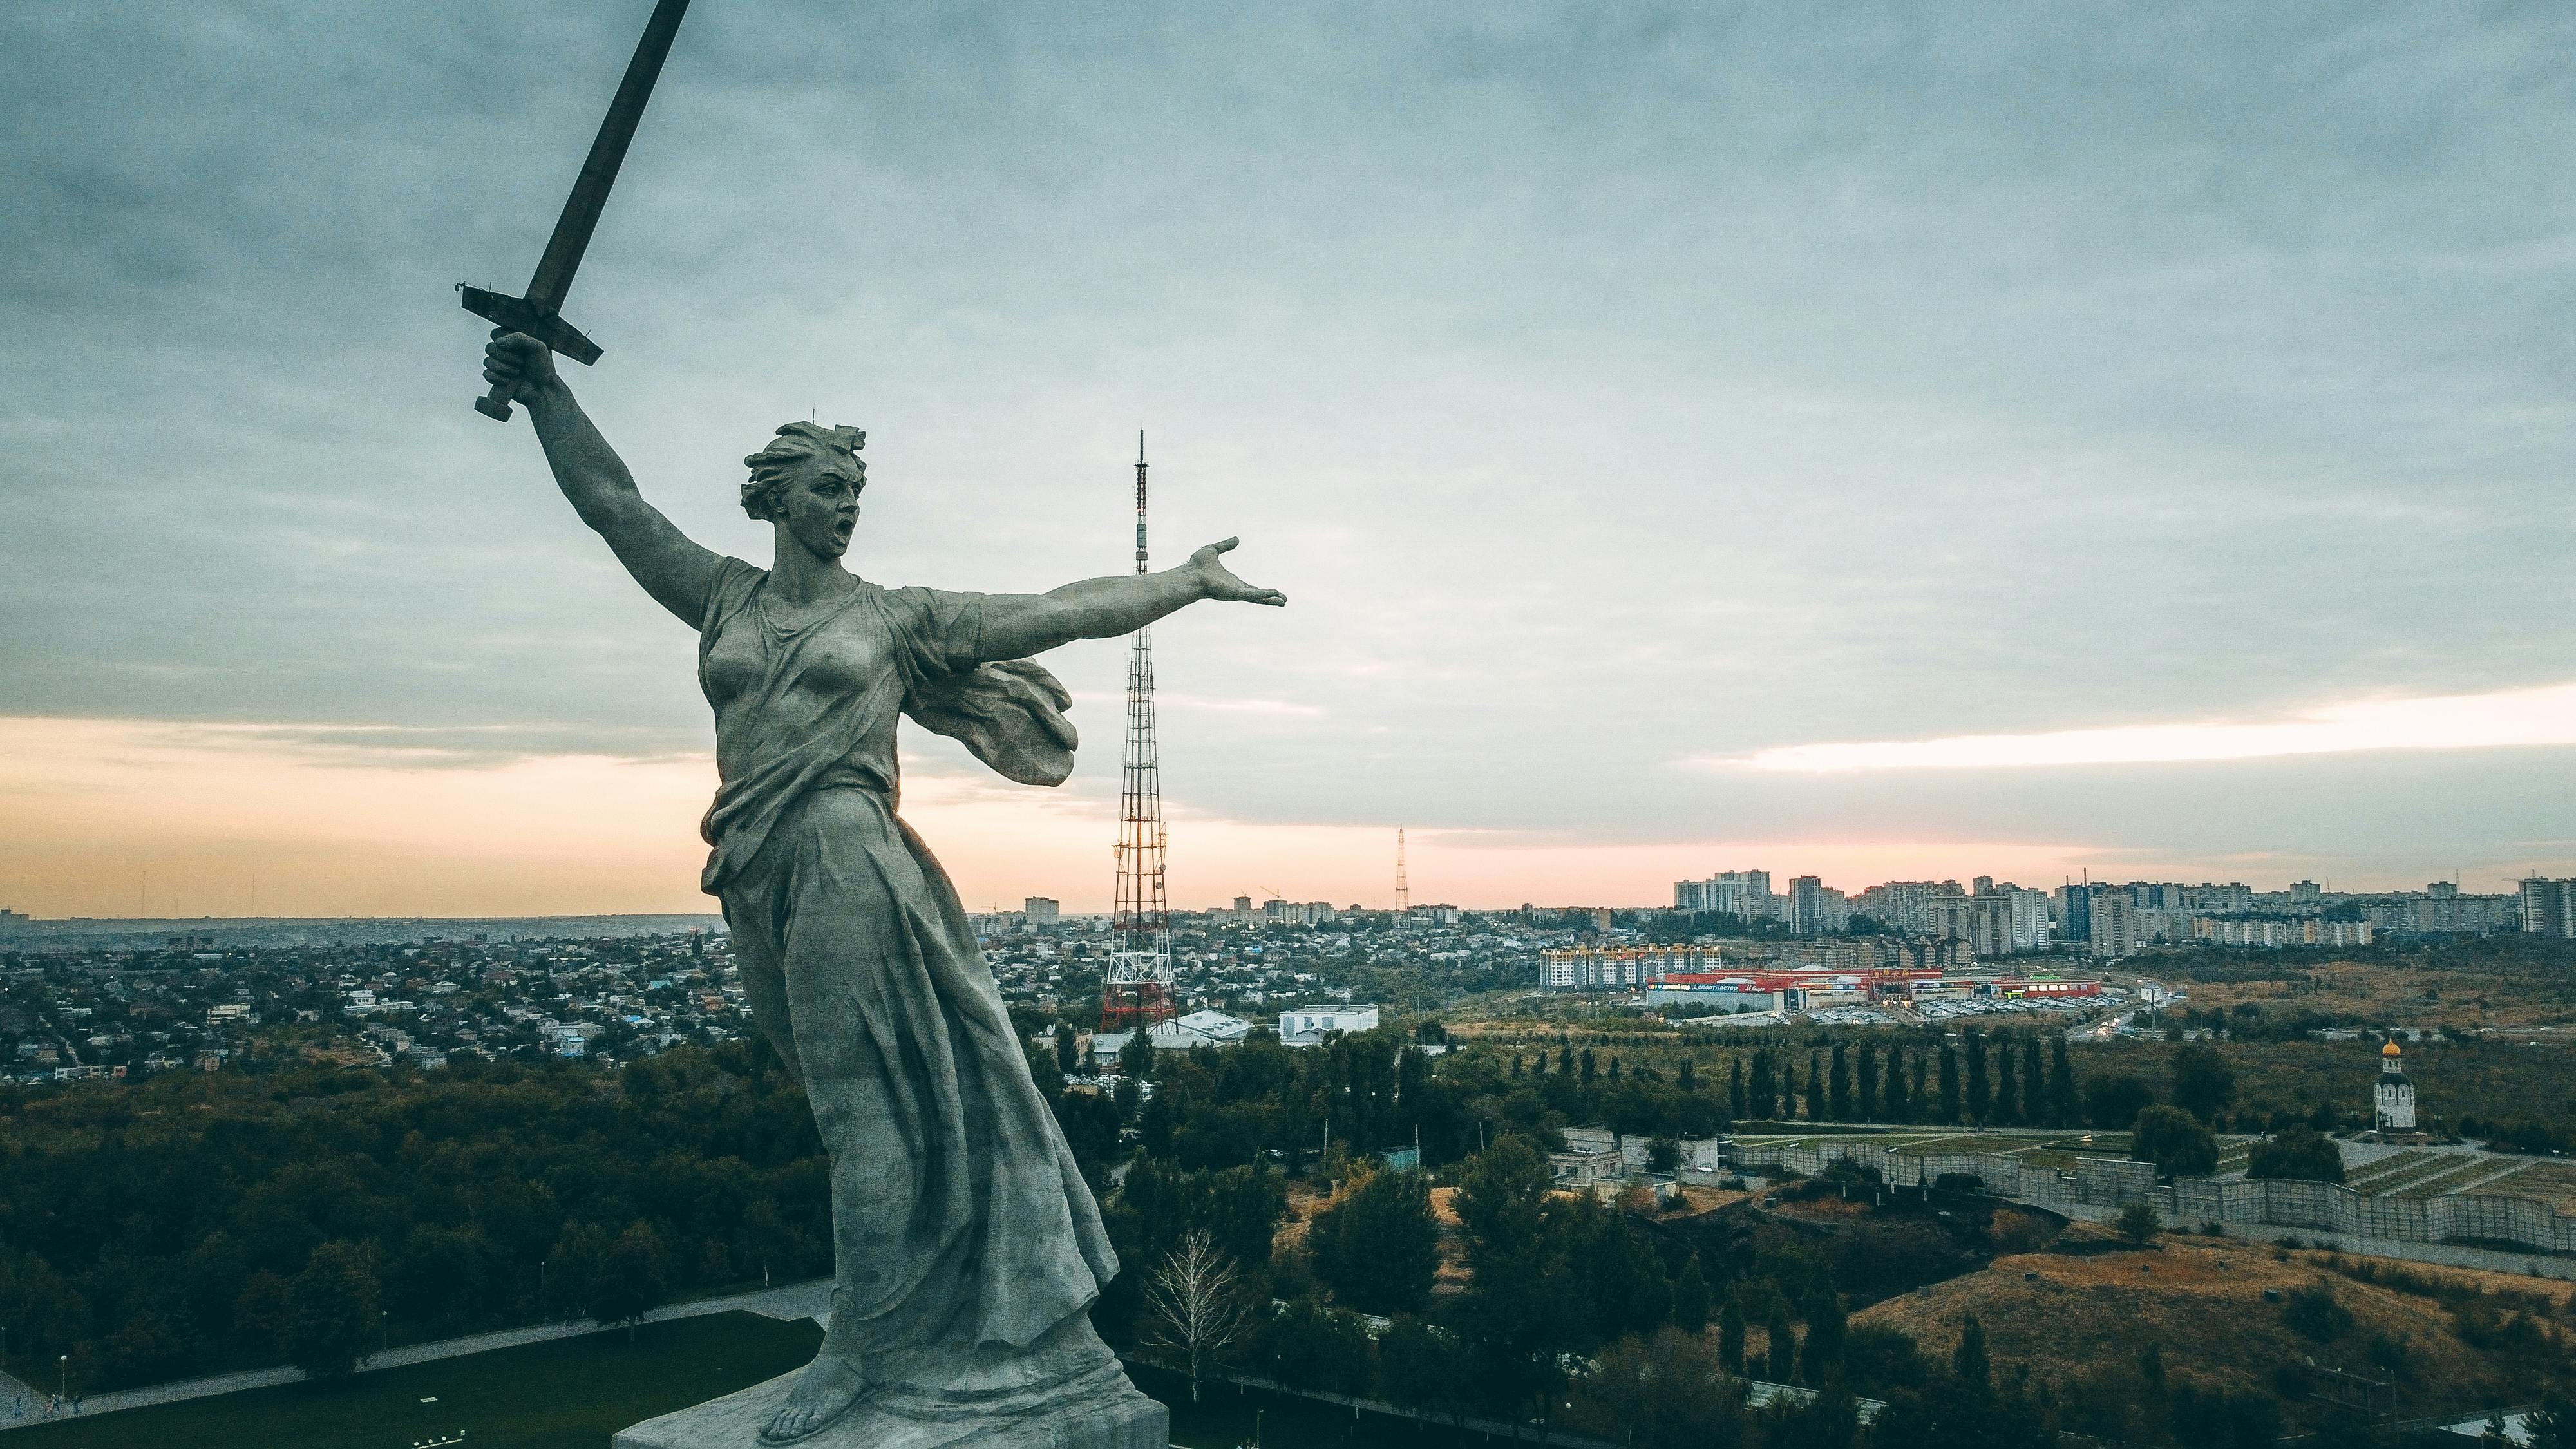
1097	1409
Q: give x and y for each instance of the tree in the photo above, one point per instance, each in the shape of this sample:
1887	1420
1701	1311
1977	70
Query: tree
1968	1362
2175	1141
631	1280
1981	1102
1689	1075
331	1312
1690	1299
1818	1090
2064	1110
2007	1099
1736	1099
1866	1105
2112	1101
1949	1086
2202	1083
1900	1104
1730	1335
1515	1319
1838	1090
1378	1245
1318	1348
1668	1392
1136	1055
1821	1357
2313	1311
1780	1344
1663	1154
2553	1424
2034	1087
2300	1153
1425	1368
1194	1305
2138	1223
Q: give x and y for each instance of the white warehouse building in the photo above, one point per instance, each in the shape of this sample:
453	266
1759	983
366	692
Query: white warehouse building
1309	1025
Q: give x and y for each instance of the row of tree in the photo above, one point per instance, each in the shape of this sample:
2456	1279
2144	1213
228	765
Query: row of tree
191	1224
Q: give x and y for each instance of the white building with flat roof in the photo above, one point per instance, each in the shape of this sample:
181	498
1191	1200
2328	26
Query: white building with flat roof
1309	1025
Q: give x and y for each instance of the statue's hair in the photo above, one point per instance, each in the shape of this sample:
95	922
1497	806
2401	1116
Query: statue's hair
796	442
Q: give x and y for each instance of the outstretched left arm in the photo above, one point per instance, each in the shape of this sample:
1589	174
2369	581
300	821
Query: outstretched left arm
1019	625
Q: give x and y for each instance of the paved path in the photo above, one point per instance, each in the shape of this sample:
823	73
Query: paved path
20	1398
787	1303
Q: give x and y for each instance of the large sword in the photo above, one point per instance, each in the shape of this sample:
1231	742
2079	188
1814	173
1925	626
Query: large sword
539	314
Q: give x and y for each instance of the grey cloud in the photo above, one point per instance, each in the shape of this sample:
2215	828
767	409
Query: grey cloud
1606	386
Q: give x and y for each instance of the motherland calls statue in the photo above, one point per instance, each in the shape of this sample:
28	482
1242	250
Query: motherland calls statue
967	1248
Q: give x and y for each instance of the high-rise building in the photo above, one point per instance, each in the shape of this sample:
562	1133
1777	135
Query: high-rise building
2549	907
1744	894
2235	898
2029	911
1815	907
1907	905
1042	912
2109	932
2072	911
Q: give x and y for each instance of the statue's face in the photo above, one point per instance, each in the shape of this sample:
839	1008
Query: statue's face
819	508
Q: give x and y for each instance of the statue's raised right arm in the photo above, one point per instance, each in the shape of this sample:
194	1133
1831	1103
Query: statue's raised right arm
674	570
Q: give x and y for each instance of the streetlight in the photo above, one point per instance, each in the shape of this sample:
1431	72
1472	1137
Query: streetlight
63	1385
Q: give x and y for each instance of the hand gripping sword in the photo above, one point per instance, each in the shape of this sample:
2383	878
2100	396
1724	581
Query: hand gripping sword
538	314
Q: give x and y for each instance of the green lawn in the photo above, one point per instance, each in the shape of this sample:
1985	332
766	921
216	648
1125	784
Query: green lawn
566	1393
2469	1169
2386	1172
1223	1418
574	1393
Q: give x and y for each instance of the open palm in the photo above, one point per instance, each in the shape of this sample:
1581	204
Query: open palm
1221	583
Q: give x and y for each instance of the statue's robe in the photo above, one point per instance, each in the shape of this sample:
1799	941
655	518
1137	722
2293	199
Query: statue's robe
959	1220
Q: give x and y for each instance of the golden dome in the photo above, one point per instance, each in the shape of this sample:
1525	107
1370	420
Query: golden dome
2390	1050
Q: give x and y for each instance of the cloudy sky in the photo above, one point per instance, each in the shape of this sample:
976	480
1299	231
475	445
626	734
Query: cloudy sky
1914	442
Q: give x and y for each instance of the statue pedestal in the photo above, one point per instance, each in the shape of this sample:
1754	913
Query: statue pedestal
1069	1393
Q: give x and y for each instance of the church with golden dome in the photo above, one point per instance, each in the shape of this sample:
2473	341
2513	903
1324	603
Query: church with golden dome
2392	1098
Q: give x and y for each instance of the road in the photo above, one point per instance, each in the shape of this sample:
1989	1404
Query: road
811	1299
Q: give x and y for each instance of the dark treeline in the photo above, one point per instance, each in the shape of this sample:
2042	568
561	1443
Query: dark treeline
1665	1326
196	1223
1558	1308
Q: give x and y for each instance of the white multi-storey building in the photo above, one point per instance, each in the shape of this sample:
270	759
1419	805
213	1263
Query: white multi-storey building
1745	894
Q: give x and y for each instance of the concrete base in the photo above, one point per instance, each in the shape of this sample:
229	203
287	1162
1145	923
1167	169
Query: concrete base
1067	1392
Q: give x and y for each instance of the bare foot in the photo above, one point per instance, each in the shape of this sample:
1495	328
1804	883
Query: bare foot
823	1393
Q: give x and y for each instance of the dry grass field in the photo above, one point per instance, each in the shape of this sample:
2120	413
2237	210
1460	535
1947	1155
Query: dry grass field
2552	1182
2202	1303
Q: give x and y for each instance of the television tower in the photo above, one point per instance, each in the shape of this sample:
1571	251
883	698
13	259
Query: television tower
1403	892
1136	993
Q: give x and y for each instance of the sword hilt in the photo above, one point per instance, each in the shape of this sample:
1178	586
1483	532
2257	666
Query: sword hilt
515	314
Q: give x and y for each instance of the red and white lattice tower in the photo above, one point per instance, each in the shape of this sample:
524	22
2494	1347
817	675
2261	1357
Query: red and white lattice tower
1403	890
1136	993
